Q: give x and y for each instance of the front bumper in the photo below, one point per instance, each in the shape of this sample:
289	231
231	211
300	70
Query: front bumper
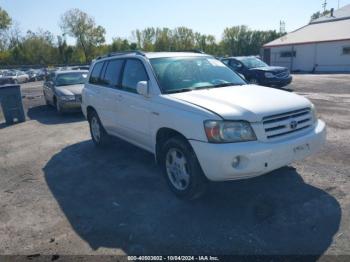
278	82
256	158
70	106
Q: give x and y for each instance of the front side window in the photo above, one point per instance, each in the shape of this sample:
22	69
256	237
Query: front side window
180	74
235	65
67	79
112	73
95	74
134	72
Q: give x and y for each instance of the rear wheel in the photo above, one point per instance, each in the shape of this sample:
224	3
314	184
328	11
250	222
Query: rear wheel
98	134
182	170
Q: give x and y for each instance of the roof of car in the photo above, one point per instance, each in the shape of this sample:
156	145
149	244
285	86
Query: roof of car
239	57
59	72
173	54
151	55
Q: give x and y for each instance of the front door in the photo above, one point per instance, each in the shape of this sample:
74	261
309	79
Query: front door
134	110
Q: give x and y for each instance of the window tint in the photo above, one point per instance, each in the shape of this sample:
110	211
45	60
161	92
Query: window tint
95	74
134	72
226	61
288	54
346	50
235	65
112	73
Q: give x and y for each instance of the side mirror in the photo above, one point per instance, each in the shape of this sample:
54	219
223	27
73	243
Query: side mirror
142	88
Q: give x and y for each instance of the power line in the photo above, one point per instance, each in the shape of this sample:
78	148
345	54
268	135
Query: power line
324	5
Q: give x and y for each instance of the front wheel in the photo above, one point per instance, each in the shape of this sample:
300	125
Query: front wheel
58	107
182	170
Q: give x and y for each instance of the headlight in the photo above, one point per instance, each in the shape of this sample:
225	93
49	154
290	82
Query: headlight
269	75
228	131
314	114
67	98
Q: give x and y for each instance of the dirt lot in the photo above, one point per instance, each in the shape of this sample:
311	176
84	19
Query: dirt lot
61	195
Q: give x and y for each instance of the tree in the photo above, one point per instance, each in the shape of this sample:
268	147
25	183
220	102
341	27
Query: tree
5	19
320	14
35	48
5	23
81	26
183	38
240	40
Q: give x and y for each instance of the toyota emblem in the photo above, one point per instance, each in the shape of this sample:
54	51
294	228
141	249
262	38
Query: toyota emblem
293	125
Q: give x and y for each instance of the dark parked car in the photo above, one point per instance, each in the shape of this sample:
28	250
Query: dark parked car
256	71
6	80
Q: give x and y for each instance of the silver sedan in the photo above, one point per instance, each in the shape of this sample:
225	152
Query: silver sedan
62	89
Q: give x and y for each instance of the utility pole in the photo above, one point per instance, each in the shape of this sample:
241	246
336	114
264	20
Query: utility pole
324	5
282	27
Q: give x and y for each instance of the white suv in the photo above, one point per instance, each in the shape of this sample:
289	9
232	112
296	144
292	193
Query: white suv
199	118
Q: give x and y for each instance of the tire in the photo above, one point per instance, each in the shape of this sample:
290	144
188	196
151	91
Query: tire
98	133
46	101
58	106
184	175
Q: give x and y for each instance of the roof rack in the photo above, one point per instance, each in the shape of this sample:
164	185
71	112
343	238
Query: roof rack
137	52
192	51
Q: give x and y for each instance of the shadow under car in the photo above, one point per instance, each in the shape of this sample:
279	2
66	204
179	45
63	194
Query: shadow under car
48	115
117	198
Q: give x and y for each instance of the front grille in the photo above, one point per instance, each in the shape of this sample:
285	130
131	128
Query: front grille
283	74
287	123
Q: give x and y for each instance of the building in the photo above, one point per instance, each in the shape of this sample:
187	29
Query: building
321	46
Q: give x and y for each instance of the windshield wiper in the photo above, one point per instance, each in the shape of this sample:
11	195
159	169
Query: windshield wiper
227	84
179	90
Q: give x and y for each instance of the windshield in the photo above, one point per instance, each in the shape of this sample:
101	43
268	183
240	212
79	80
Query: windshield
253	62
67	79
180	74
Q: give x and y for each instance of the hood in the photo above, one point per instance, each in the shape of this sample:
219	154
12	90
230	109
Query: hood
247	102
269	69
70	90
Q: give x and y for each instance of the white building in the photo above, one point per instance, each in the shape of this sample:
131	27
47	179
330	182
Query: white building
321	46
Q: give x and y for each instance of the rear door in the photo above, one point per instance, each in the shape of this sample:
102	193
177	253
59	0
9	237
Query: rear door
97	95
112	95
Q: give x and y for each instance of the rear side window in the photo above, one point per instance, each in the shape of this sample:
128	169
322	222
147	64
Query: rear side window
134	72
112	73
95	74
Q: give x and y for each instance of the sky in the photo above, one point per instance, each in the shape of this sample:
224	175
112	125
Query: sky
121	17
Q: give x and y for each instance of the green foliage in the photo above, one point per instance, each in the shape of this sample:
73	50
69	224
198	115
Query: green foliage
5	19
43	48
240	40
81	26
319	14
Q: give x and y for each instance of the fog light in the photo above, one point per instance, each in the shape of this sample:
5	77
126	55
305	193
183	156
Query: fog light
236	161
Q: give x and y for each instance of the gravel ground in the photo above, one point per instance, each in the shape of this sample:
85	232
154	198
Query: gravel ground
61	195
